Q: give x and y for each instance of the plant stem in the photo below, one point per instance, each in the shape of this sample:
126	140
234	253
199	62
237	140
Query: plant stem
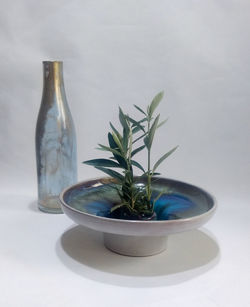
140	137
149	158
131	179
130	143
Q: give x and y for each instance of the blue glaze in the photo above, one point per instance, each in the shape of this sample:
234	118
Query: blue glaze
180	202
99	208
169	207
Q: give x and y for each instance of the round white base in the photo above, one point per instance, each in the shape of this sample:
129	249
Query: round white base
137	246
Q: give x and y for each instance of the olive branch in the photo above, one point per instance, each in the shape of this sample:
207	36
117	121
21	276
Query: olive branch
123	147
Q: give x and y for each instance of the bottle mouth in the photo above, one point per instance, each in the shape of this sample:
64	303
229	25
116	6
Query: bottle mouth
52	62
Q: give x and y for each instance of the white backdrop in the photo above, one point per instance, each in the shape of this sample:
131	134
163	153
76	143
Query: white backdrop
124	52
119	52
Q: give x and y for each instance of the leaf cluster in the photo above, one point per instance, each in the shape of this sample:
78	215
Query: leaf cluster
123	146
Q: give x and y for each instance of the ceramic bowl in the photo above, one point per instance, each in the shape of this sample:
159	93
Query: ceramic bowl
183	207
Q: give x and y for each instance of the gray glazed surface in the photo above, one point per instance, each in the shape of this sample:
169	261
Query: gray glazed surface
118	233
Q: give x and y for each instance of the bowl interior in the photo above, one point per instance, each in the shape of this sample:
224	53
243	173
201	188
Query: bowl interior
180	201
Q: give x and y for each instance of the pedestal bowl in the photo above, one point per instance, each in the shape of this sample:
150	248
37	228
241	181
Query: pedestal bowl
183	207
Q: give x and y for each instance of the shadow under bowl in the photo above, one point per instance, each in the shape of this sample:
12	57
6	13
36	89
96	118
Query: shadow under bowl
183	207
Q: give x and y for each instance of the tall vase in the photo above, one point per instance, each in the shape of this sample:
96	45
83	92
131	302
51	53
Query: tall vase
55	140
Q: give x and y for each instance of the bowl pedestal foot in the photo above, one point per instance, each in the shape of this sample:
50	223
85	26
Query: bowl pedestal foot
137	246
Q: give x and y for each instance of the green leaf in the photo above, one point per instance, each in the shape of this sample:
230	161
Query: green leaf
102	162
154	104
117	141
125	140
151	174
133	121
123	119
117	207
136	124
137	165
143	120
152	131
162	123
136	129
163	158
106	148
146	141
130	143
115	131
117	155
112	142
139	109
134	152
111	173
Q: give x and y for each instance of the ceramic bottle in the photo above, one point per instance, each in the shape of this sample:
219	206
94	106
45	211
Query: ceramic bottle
55	140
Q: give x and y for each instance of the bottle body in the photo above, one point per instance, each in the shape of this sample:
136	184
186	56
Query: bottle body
55	141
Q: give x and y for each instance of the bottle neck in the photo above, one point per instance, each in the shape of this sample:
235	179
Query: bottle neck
53	85
53	74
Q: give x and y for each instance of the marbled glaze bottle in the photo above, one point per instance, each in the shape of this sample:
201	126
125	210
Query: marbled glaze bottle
55	140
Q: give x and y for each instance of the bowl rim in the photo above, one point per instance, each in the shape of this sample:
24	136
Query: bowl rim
108	219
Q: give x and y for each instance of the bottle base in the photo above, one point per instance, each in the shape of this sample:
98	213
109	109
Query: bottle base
50	205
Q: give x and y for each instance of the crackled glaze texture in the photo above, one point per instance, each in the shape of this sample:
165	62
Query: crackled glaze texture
55	141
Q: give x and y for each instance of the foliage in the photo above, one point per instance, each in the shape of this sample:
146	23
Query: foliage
135	201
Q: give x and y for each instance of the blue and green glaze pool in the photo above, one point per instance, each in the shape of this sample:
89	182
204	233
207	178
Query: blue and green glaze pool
182	200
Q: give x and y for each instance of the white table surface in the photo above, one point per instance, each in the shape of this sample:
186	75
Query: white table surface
46	260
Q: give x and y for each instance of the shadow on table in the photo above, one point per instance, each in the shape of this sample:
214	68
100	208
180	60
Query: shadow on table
188	255
33	206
